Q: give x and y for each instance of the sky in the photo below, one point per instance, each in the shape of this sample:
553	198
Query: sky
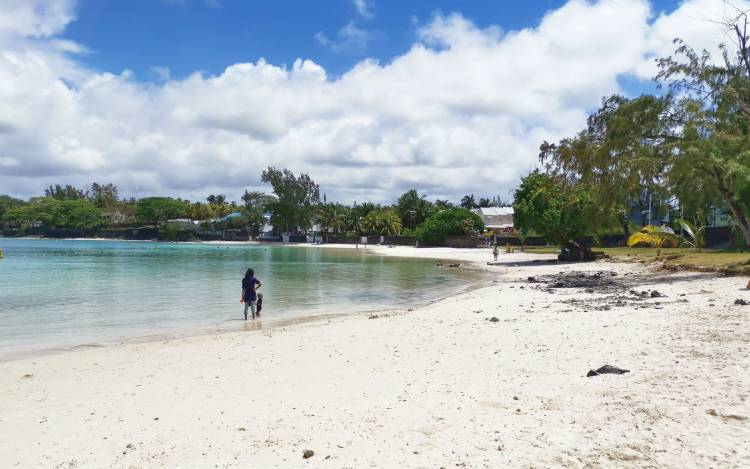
369	97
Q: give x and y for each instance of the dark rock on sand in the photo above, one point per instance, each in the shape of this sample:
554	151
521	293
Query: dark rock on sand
606	369
598	281
740	302
308	453
655	294
494	319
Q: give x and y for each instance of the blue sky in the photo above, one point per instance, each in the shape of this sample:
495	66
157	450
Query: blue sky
190	35
447	97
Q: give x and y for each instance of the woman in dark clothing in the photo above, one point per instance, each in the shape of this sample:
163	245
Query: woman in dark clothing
249	285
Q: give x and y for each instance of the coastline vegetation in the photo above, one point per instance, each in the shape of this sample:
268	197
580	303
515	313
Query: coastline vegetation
294	207
689	146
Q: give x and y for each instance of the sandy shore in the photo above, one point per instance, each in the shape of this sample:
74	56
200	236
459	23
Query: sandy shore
445	385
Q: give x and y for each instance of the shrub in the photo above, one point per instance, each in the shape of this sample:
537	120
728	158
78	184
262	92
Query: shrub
450	222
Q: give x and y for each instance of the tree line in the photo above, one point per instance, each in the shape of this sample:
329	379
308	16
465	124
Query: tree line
294	206
690	144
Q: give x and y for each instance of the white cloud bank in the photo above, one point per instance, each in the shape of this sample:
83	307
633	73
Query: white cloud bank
464	110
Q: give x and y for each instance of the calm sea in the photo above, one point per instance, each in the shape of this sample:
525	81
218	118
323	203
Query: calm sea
59	293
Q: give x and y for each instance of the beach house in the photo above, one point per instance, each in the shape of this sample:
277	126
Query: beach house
497	220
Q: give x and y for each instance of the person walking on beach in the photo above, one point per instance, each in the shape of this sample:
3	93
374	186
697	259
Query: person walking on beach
495	251
249	296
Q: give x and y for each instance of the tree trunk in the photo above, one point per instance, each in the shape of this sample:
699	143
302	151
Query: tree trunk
738	216
626	230
737	213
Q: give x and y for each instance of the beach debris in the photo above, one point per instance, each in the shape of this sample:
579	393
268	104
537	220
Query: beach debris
373	316
439	264
156	419
494	319
478	311
606	369
241	429
601	280
458	264
740	302
308	453
28	376
713	413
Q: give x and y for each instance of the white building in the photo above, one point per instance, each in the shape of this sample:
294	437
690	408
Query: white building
496	218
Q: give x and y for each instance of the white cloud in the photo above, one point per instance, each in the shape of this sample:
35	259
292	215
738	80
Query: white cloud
161	73
462	111
349	39
35	18
365	8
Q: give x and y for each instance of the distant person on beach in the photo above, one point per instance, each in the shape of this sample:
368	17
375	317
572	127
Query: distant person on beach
249	296
495	252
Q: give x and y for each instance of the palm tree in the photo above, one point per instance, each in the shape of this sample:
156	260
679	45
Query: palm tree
695	230
390	225
413	208
655	237
382	222
468	202
332	218
441	204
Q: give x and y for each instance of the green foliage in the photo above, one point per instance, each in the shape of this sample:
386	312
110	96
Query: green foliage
104	195
296	199
693	142
68	214
256	203
441	204
468	202
384	222
333	218
66	192
8	203
554	208
449	222
413	209
218	199
159	209
695	230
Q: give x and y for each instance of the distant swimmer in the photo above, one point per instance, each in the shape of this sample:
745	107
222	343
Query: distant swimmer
249	296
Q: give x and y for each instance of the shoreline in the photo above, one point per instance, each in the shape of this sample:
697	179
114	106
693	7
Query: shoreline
442	385
229	326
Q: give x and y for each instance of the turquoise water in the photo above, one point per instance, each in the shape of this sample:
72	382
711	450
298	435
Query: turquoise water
67	292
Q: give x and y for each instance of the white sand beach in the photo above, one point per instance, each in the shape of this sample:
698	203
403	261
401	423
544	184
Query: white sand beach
445	385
